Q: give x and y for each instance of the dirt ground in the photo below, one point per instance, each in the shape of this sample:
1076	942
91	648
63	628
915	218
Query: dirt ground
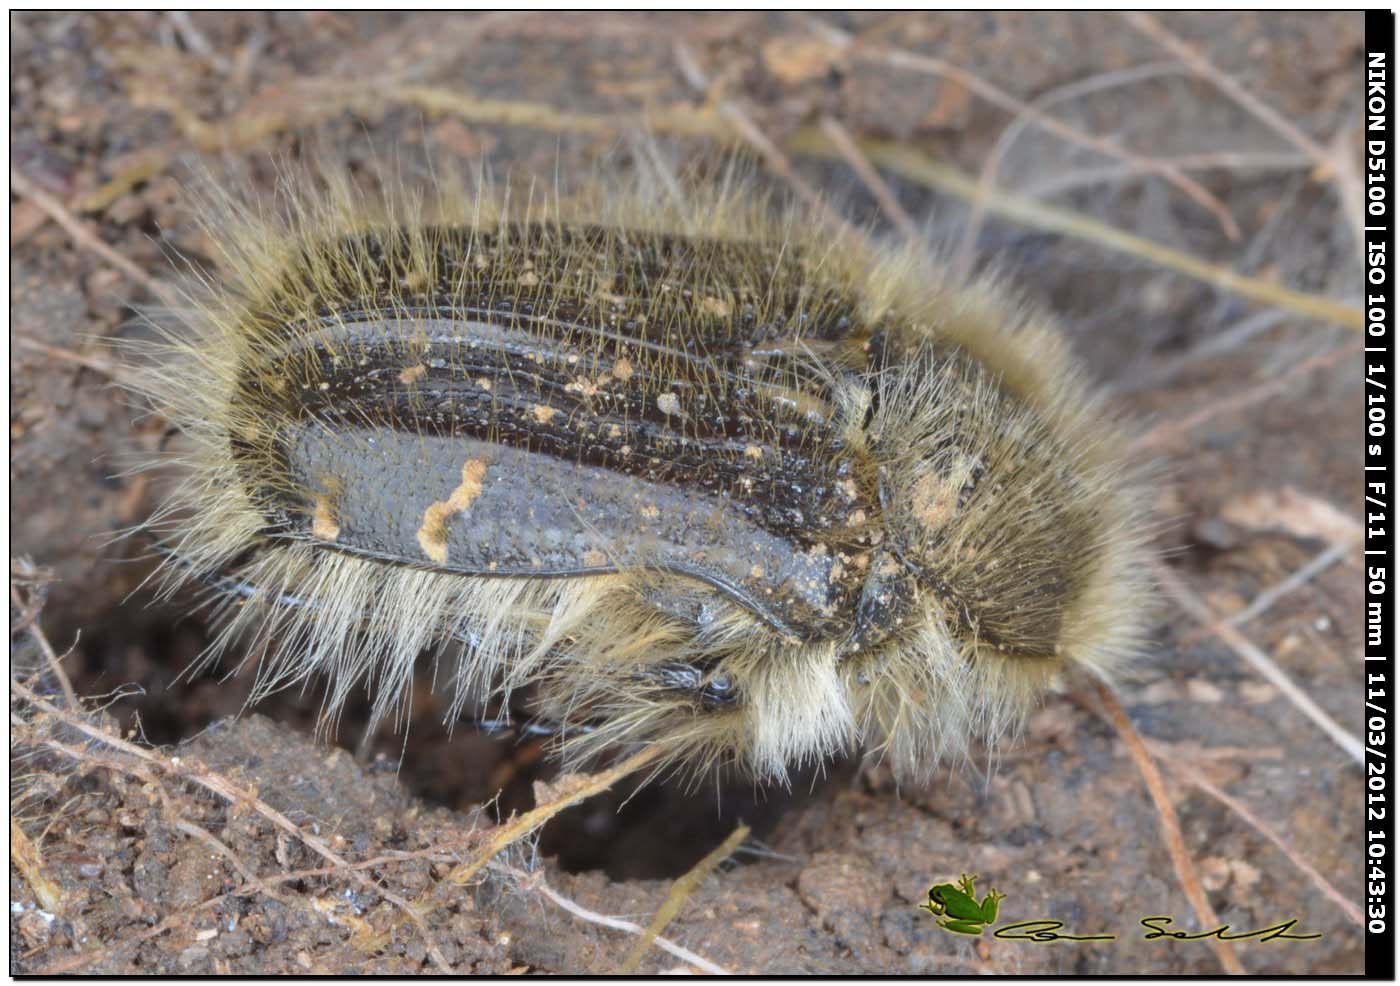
135	861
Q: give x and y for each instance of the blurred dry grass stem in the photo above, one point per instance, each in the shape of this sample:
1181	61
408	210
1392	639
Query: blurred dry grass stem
1336	161
721	119
1030	113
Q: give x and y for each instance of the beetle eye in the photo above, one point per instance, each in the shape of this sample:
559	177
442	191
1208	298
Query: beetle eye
720	690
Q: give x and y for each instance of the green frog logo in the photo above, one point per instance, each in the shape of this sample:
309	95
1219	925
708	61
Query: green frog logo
957	905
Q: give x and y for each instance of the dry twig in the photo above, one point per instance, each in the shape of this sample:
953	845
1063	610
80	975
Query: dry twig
1319	563
1200	610
752	134
1171	828
680	893
84	236
231	792
1335	161
534	881
847	147
997	96
568	791
30	622
914	165
1213	161
991	165
24	855
1193	776
107	369
574	790
1171	431
250	878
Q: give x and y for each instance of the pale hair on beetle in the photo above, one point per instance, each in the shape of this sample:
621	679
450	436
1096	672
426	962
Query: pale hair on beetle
704	475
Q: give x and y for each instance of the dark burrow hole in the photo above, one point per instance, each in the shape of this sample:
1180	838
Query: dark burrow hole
656	831
664	829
